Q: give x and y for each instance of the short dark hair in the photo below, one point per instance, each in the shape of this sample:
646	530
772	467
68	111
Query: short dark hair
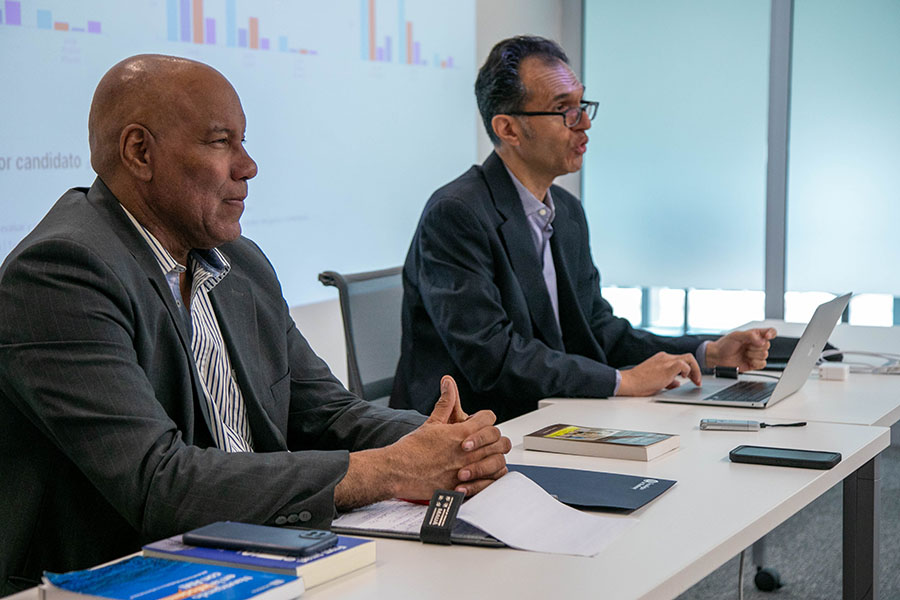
498	87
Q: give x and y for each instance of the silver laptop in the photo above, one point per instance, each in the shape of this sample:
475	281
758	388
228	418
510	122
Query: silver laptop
760	394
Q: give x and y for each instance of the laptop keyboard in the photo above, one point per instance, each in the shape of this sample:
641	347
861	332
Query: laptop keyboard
744	391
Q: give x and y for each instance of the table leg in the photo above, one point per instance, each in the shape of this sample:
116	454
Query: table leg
862	509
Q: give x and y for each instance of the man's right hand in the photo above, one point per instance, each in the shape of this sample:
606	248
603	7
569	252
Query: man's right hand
449	451
660	371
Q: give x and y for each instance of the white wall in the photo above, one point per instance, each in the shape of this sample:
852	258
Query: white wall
559	20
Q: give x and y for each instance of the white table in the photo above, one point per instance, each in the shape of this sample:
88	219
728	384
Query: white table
717	509
872	400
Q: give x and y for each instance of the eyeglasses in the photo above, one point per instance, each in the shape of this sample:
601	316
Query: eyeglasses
571	117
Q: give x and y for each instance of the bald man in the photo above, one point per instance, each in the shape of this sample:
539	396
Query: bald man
151	377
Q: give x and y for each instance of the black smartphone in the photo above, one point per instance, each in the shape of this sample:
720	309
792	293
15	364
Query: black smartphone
260	538
785	457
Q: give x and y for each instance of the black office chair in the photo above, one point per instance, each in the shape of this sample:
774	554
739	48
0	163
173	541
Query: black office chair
370	308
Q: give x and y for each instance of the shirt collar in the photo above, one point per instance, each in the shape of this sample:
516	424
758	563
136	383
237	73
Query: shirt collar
530	203
211	262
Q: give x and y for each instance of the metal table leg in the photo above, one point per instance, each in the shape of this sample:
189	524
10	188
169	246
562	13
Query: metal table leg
862	510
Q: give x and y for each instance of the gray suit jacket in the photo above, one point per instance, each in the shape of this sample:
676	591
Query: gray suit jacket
105	440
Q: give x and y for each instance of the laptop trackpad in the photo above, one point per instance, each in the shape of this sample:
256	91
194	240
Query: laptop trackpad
688	390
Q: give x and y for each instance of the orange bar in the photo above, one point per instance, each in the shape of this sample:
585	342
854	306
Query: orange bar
198	21
254	32
371	29
443	64
409	43
60	26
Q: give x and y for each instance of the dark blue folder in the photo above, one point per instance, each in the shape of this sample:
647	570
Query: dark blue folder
595	489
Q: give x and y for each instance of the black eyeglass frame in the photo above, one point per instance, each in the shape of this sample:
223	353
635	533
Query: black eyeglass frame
584	106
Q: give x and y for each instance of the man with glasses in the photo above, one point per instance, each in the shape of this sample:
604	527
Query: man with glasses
500	289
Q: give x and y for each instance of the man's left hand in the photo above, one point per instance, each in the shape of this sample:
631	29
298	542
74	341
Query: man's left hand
746	350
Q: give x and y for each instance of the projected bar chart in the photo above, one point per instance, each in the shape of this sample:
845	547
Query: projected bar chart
187	21
11	15
381	49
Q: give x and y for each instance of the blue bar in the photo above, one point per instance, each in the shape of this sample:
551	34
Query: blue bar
172	19
401	29
364	28
44	19
230	23
242	37
1	16
185	21
282	43
387	48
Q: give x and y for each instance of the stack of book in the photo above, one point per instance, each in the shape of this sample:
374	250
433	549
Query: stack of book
159	579
349	554
170	569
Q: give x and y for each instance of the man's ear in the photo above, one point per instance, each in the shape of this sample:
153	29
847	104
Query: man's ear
134	151
507	129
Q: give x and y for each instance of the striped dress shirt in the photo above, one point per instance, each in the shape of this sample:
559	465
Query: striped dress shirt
228	413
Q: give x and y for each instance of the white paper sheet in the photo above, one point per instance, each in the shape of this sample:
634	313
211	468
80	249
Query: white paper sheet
390	515
518	512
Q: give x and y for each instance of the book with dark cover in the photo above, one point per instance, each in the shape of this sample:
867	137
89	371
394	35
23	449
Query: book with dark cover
605	443
349	554
595	489
142	578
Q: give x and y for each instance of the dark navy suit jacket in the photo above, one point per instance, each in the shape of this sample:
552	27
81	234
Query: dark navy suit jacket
476	306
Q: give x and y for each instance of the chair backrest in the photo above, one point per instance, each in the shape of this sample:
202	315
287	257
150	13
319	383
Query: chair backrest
370	308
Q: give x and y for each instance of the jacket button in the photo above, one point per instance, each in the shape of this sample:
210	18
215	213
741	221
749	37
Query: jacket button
305	516
292	518
280	520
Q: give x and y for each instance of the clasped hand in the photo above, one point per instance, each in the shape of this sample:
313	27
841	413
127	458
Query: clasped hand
451	450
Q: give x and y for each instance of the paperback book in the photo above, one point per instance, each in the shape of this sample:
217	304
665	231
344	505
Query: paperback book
605	443
349	554
142	578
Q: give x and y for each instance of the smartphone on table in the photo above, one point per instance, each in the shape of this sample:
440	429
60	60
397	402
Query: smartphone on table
785	457
261	538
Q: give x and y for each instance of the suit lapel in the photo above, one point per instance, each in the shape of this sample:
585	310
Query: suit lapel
565	244
521	252
232	300
105	202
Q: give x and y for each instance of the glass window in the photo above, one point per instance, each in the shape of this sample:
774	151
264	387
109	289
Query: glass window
872	309
626	303
667	311
675	172
800	306
844	182
712	311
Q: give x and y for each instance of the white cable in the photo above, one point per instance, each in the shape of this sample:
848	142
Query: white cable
741	577
885	355
890	367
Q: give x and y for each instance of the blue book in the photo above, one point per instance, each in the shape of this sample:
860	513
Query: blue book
347	555
145	578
